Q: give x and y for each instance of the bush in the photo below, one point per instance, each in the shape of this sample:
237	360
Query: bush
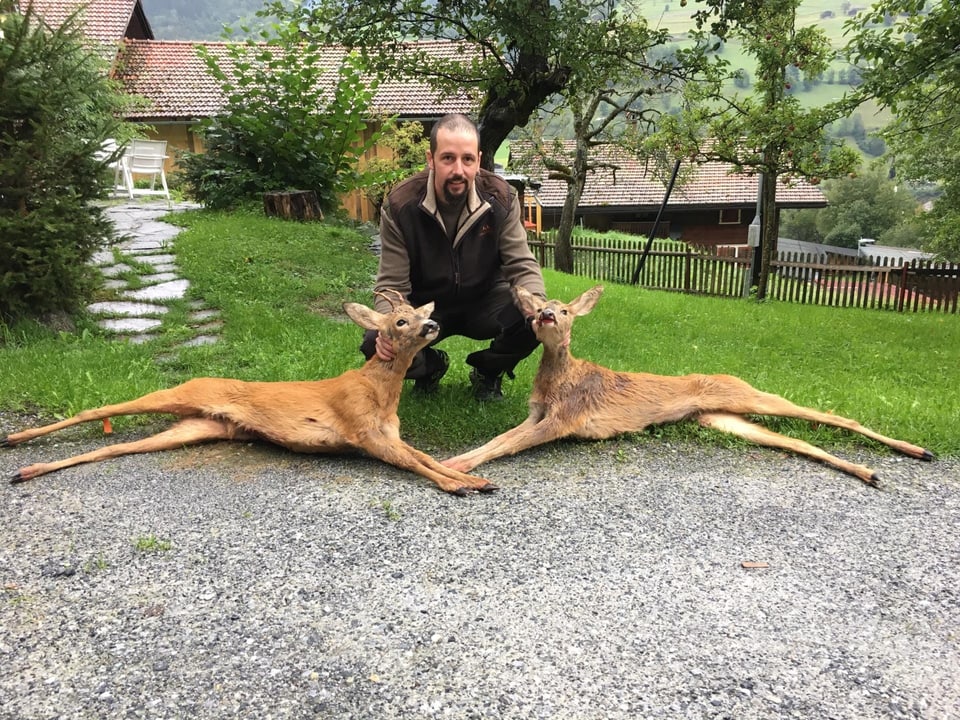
286	125
56	107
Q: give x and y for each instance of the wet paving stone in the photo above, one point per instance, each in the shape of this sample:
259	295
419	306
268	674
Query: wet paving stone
137	317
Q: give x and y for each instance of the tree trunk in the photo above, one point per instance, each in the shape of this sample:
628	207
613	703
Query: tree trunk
563	253
532	82
769	232
293	205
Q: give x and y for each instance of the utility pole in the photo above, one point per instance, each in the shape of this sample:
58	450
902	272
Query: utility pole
751	276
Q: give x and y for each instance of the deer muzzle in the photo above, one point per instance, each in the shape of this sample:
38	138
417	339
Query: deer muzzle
430	327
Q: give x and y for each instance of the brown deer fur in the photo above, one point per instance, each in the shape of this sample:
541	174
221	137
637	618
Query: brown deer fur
357	410
576	398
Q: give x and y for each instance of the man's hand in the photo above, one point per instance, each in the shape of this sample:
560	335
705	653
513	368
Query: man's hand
385	349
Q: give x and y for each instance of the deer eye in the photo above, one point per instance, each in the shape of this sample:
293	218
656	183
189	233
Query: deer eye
401	322
563	312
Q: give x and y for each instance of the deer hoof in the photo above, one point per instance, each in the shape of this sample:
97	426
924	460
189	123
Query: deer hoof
17	478
928	456
488	488
4	442
873	481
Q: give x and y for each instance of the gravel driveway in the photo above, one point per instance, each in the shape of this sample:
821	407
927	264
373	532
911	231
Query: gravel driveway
604	580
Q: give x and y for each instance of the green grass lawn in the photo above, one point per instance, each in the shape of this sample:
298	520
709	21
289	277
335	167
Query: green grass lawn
280	285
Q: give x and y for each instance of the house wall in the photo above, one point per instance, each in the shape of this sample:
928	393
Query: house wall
179	136
704	228
701	227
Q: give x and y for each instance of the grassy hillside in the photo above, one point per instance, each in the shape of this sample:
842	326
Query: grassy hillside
669	14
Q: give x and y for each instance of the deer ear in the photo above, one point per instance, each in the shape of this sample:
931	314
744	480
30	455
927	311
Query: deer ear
524	300
584	304
363	316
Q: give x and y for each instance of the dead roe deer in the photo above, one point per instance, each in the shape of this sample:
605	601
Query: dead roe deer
357	410
576	398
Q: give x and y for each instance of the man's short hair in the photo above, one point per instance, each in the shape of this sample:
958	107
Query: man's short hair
454	122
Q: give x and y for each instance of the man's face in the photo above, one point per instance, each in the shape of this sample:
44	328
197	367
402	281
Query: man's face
454	164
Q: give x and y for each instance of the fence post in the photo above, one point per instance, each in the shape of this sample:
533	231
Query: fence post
902	290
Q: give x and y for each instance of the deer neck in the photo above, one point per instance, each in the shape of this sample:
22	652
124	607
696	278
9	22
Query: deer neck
388	375
556	361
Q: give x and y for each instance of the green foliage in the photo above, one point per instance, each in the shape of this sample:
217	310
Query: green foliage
151	544
938	228
867	205
409	144
863	206
609	103
294	120
800	225
909	50
56	108
906	234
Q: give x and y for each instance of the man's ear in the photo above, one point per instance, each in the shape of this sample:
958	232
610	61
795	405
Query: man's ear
363	316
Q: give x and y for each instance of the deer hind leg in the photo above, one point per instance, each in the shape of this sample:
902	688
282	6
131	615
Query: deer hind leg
762	403
186	432
399	454
737	425
173	401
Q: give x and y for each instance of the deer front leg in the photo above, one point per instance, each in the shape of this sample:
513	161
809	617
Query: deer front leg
186	432
736	425
399	454
529	433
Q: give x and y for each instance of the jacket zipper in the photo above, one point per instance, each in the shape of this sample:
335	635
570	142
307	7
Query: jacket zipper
456	271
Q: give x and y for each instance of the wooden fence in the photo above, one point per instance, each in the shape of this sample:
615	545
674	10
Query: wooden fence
883	284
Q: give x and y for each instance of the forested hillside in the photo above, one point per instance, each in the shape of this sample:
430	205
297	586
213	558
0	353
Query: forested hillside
199	19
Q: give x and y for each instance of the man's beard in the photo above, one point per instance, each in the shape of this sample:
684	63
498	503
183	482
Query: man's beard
450	198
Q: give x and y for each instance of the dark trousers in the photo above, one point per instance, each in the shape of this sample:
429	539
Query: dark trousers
492	317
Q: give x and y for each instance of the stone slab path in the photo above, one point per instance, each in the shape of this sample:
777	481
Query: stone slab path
146	254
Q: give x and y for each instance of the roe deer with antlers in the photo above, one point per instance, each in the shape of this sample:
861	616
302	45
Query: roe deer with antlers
576	398
356	410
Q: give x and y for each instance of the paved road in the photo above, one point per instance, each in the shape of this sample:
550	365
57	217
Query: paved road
601	581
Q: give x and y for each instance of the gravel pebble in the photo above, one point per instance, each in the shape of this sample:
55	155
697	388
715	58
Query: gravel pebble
604	580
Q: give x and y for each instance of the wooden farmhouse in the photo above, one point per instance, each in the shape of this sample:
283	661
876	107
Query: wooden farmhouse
709	205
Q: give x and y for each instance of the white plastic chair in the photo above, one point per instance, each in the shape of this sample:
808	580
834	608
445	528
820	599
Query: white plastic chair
145	157
108	148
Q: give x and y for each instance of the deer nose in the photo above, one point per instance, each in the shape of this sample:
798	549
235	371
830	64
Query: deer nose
548	316
430	326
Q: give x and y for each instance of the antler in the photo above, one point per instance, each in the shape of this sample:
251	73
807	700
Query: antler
399	297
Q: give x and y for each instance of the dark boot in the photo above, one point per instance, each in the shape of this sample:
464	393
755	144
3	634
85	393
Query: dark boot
437	361
486	388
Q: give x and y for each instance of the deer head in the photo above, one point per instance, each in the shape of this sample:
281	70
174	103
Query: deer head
552	319
408	328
